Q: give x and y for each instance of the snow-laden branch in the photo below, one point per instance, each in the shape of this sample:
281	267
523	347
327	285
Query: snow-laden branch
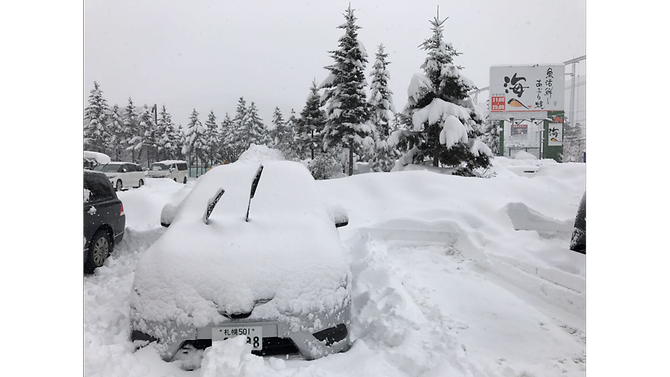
436	110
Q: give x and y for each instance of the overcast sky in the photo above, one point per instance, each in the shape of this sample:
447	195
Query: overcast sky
206	54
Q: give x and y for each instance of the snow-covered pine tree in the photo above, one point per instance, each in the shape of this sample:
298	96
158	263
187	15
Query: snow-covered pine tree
194	132
96	134
278	126
282	135
381	102
309	129
117	134
441	121
292	144
211	139
149	139
164	138
130	128
225	144
258	132
347	111
238	139
490	134
137	142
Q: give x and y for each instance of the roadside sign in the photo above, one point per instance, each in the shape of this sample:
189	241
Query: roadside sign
524	92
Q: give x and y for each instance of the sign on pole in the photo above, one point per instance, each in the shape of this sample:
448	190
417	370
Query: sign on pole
524	92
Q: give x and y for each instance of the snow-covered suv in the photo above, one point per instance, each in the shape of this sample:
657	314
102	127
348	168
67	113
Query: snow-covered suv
250	251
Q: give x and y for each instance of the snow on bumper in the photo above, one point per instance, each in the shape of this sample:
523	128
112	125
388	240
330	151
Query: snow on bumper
314	334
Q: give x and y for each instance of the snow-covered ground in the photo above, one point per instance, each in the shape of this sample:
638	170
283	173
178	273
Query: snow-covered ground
452	276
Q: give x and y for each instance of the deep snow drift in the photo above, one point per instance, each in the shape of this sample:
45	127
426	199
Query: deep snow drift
451	276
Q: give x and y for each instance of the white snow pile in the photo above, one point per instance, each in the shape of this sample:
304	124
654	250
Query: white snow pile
523	155
451	276
260	153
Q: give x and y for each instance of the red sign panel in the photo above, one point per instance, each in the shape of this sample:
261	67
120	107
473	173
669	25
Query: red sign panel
498	103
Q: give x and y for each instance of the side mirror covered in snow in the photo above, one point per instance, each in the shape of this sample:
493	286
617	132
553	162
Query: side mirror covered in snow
167	214
339	215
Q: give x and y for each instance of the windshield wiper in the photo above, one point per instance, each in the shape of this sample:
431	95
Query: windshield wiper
211	203
254	184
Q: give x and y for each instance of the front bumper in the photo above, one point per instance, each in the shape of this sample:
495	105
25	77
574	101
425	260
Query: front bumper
279	337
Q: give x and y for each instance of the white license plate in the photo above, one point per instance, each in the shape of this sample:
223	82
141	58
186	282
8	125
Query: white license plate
254	334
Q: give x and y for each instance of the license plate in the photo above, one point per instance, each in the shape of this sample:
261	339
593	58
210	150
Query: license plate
254	334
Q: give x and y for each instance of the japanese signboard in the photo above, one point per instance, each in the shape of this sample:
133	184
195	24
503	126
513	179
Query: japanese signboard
519	128
524	92
555	134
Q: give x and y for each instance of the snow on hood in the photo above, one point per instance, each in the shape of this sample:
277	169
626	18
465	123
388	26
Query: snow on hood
258	153
195	272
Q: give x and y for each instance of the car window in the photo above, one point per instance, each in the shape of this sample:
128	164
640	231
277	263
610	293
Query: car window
182	166
99	189
108	168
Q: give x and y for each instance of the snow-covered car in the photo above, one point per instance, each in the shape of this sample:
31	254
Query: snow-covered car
252	251
176	170
93	159
104	220
578	240
123	174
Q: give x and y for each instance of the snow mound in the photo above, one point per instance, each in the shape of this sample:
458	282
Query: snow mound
260	153
523	155
233	358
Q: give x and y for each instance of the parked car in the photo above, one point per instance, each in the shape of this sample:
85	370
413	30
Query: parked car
123	174
104	220
250	251
93	159
173	169
578	241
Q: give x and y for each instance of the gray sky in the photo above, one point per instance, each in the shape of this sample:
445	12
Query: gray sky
206	54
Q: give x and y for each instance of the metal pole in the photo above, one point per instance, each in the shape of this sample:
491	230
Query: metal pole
572	96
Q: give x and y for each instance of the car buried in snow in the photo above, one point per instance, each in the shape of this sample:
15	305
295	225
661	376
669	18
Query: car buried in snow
251	251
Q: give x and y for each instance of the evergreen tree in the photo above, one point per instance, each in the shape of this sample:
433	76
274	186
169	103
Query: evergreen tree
309	128
168	138
130	128
117	133
226	131
278	126
193	135
96	133
442	122
149	136
258	132
282	135
347	110
291	148
491	134
381	102
238	139
210	139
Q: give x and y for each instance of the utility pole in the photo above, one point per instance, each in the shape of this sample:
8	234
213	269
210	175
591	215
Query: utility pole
573	63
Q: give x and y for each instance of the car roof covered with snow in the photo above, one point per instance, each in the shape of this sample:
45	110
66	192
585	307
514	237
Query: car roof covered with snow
289	252
168	162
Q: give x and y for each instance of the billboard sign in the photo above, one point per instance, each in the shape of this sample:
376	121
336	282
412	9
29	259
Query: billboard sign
555	134
524	92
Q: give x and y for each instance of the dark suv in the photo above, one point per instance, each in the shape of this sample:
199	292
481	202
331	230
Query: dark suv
104	220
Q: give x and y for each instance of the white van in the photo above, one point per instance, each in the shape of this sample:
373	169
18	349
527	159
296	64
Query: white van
123	174
174	169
